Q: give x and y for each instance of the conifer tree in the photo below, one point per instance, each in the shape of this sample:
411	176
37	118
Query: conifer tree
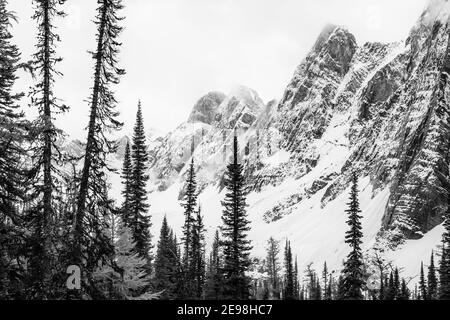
139	221
296	280
390	290
444	266
382	293
214	277
127	175
12	134
93	201
166	263
329	290
126	278
432	289
325	278
404	291
189	204
423	284
273	266
43	173
289	284
198	255
353	278
236	246
396	287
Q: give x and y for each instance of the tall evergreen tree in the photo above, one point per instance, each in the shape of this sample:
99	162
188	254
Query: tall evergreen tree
353	277
296	280
273	266
198	255
140	222
236	246
11	136
214	276
423	284
45	154
444	266
404	293
93	200
432	289
289	277
166	263
326	280
382	293
127	176
396	284
390	290
189	204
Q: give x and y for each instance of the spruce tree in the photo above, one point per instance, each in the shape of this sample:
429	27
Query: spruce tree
198	255
273	266
390	290
236	246
93	201
325	278
166	263
444	266
46	156
382	293
396	283
404	291
289	278
214	276
140	222
353	277
432	289
296	280
423	284
127	175
12	134
189	204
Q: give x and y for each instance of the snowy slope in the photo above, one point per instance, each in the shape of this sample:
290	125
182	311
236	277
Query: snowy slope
374	109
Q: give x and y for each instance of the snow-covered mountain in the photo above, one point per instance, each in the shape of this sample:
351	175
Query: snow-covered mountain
377	109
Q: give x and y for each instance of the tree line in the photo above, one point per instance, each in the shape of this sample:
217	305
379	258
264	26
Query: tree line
52	218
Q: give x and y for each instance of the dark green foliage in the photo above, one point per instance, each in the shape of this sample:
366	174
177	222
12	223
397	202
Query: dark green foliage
353	276
236	246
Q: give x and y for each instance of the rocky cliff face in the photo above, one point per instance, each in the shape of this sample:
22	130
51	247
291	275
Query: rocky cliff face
382	107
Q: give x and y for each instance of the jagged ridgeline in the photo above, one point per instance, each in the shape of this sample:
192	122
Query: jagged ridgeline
379	109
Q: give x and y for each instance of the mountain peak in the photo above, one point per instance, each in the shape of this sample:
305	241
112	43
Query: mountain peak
328	31
206	107
245	93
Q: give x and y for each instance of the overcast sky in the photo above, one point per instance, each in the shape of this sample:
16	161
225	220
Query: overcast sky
175	51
